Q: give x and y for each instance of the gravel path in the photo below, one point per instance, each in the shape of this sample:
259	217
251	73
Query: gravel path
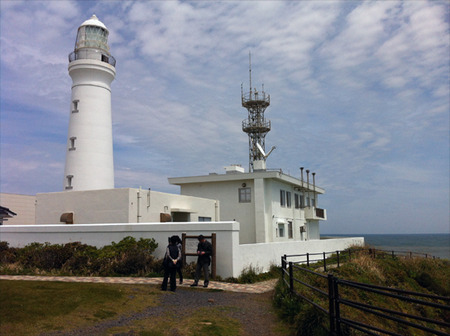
254	311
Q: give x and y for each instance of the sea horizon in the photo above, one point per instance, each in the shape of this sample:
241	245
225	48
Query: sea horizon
432	244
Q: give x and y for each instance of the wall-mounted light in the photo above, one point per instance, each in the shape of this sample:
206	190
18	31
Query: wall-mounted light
244	185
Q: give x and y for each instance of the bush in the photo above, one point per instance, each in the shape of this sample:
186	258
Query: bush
127	257
7	254
287	305
249	275
253	274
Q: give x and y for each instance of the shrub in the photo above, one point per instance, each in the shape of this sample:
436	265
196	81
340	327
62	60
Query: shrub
127	257
253	274
288	306
7	254
249	275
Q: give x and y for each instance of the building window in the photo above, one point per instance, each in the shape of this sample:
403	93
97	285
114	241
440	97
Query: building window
290	231
204	219
288	199
245	195
297	201
313	202
69	182
282	198
302	201
308	202
75	106
281	229
72	143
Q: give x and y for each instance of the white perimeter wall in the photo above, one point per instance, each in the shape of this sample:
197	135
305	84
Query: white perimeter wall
262	256
232	258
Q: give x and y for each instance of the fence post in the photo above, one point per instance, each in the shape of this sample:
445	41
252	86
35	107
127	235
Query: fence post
307	259
183	247
331	305
337	311
283	266
214	264
324	263
337	252
291	277
393	254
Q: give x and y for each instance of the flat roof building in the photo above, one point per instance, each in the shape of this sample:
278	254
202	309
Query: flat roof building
269	205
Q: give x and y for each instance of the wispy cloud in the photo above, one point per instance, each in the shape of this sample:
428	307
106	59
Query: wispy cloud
359	94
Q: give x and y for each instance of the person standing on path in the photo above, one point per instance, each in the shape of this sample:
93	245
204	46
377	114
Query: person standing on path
204	252
171	258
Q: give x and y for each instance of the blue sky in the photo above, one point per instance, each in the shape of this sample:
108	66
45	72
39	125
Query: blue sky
359	95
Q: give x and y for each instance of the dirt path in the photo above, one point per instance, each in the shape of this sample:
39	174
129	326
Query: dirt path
254	312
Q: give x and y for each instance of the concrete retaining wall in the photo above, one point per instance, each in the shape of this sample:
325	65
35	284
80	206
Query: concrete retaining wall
232	258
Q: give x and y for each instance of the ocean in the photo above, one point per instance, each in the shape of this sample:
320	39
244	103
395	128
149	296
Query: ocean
437	245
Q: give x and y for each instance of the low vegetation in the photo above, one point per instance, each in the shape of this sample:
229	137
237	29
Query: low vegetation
129	257
428	276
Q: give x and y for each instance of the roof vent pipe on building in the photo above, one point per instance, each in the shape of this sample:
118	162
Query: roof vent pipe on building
307	182
301	175
314	188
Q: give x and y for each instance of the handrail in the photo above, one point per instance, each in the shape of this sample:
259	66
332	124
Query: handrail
92	54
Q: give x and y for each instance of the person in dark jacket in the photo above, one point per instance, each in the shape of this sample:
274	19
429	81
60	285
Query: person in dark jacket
204	252
171	258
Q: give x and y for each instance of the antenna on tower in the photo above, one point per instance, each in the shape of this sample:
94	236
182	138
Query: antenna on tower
250	71
256	125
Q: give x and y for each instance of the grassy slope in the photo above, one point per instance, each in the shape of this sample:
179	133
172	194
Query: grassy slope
419	275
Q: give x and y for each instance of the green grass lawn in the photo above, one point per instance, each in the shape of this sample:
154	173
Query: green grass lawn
33	308
30	308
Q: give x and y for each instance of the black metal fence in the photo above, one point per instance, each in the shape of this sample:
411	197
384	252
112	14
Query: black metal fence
331	297
336	258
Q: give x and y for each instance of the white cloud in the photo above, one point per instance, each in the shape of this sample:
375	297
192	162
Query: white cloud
359	93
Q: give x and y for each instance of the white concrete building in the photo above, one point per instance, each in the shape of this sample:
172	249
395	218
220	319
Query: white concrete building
23	205
269	205
127	205
89	155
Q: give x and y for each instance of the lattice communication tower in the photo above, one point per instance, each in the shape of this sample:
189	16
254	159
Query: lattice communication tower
256	126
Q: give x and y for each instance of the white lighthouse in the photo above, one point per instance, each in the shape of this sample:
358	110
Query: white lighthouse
89	153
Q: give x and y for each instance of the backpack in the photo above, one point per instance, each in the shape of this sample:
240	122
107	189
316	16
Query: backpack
174	251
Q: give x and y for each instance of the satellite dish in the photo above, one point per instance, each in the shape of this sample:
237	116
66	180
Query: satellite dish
262	150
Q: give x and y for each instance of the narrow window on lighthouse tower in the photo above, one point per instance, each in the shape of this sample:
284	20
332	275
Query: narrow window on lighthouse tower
69	182
75	106
72	143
